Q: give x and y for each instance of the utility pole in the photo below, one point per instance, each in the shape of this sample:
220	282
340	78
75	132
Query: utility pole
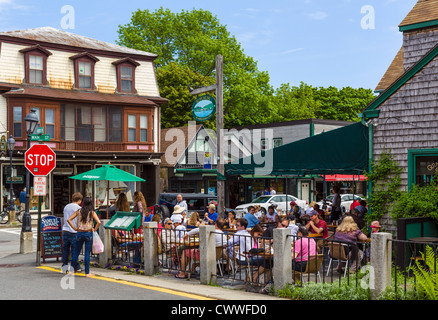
220	167
220	134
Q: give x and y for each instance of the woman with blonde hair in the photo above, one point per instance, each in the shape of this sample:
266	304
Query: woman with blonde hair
139	203
348	231
194	221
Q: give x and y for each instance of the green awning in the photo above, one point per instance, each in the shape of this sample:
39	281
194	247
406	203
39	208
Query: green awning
343	150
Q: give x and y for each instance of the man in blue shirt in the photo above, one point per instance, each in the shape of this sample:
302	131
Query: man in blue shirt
252	220
211	215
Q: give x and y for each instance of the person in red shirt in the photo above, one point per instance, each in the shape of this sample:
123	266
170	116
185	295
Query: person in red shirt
317	225
354	204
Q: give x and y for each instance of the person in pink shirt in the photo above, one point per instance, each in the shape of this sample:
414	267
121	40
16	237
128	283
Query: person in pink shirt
302	249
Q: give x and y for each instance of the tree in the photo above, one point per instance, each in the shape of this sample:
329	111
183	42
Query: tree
177	112
193	39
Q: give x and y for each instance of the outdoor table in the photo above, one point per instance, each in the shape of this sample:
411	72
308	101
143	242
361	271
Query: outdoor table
315	235
424	239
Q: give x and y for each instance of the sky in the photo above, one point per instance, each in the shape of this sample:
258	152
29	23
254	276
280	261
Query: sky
323	43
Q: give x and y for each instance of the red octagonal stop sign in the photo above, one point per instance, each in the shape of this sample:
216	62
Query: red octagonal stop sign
40	160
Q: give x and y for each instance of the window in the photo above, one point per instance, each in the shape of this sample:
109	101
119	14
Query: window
278	142
91	123
264	144
84	75
422	166
18	121
125	70
132	125
36	69
115	125
50	123
143	128
35	65
126	79
425	168
84	64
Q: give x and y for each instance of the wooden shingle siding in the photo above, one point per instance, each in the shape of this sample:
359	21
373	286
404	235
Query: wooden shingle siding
417	43
409	119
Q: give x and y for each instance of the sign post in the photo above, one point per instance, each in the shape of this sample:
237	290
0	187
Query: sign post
40	160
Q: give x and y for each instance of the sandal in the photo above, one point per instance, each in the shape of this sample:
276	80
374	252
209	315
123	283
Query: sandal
179	277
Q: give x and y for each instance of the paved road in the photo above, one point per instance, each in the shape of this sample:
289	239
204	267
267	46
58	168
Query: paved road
20	279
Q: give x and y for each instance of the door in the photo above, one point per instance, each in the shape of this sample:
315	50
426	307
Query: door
305	191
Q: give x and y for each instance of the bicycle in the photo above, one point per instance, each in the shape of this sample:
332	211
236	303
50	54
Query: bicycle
4	216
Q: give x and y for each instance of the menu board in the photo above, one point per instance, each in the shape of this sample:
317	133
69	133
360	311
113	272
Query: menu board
51	238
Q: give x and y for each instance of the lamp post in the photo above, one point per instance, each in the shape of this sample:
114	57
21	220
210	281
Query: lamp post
11	147
31	121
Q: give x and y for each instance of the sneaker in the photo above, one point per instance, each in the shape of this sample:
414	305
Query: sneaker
79	269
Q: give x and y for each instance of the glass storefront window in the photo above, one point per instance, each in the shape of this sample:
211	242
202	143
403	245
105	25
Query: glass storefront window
19	184
115	188
425	168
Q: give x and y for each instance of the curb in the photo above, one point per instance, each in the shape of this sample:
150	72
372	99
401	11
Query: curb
189	287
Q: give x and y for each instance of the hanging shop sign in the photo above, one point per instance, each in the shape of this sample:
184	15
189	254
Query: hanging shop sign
204	108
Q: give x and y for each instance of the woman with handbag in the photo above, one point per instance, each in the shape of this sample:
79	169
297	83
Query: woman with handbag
86	217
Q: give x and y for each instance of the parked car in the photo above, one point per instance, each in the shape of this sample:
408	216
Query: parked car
195	202
346	201
282	200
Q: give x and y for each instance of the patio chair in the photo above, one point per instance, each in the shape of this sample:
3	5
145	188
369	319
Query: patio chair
337	252
313	266
219	261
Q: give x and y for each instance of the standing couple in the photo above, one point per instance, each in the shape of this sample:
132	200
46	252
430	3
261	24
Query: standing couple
78	230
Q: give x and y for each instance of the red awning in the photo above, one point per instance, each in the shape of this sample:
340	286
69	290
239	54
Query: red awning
345	177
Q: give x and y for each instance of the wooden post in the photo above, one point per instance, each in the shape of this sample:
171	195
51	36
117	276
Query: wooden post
220	134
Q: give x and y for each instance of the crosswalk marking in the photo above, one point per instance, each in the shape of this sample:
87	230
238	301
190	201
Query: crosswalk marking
17	231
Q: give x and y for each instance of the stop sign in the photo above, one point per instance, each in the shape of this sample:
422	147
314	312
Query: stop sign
40	160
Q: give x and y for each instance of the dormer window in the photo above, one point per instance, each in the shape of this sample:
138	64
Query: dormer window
84	70
125	70
35	65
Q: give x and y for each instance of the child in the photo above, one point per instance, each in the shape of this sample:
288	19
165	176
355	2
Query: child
375	227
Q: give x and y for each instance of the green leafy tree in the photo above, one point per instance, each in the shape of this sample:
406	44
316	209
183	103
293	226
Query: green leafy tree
177	112
193	39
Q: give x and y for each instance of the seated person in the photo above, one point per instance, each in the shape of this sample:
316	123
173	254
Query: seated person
317	225
252	220
302	249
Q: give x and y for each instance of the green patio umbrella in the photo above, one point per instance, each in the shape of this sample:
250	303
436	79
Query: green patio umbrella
107	172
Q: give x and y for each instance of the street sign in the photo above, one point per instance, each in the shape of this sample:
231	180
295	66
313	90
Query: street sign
40	160
39	130
40	137
40	186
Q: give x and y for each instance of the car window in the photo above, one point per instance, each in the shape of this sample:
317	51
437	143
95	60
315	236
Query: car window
195	204
347	198
357	198
261	199
278	199
169	199
290	198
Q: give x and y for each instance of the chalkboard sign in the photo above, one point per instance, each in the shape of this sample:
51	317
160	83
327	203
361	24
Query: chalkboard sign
51	238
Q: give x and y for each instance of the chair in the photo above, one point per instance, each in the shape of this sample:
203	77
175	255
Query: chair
337	252
219	250
313	266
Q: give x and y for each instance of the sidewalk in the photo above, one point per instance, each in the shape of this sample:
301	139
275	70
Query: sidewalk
164	281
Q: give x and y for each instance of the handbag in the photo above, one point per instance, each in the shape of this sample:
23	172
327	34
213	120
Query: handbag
97	244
